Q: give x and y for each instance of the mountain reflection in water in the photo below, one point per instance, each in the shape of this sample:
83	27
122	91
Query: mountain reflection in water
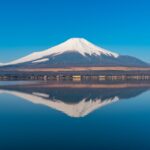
75	99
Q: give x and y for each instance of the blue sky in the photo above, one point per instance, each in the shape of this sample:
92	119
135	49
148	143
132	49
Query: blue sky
26	26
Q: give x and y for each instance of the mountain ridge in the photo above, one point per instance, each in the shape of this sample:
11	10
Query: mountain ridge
76	52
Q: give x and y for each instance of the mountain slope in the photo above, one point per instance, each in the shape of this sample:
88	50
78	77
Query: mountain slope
75	52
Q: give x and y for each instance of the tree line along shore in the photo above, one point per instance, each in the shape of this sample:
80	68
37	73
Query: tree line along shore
75	75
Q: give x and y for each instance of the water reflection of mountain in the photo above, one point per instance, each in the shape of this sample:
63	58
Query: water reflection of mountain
75	100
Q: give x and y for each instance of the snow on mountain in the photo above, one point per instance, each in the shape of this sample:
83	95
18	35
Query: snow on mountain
79	45
40	60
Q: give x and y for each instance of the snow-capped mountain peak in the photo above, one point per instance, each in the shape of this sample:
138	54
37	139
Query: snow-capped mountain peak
79	45
83	47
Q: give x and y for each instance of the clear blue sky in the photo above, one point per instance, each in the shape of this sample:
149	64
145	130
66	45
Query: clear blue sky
122	26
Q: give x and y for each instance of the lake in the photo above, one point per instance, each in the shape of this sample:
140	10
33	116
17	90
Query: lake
65	115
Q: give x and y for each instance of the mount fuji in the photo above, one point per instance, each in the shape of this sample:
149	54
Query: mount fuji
75	52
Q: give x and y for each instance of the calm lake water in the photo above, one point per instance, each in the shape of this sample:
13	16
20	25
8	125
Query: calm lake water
74	116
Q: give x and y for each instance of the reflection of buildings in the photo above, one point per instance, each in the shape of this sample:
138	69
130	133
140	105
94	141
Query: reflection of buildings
78	100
